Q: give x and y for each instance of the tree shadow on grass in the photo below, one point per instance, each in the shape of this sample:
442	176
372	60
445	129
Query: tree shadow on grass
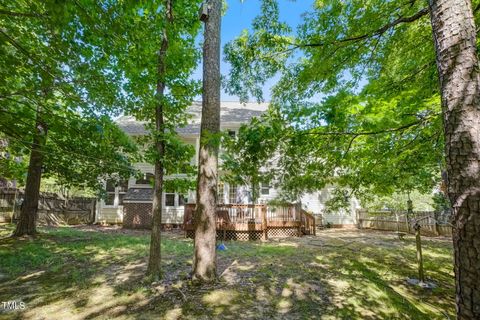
88	276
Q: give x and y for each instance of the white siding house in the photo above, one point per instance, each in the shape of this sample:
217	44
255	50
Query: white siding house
133	200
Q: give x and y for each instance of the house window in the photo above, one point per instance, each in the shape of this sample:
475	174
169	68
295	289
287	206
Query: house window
122	190
148	178
232	194
265	189
182	199
121	195
110	199
110	188
220	193
123	186
231	133
169	197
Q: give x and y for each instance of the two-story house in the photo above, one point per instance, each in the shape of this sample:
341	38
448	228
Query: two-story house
130	202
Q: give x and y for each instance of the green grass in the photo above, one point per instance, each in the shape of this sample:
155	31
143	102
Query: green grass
88	274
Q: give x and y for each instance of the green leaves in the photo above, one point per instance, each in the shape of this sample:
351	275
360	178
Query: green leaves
256	57
358	90
248	158
58	65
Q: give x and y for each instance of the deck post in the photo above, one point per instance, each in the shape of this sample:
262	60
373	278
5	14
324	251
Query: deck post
314	226
301	220
264	223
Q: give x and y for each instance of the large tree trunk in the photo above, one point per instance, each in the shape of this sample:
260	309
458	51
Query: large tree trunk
154	261
455	41
204	260
28	213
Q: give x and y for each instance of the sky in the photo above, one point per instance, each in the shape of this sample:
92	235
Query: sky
239	16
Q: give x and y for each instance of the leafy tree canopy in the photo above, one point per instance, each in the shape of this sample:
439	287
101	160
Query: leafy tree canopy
358	90
137	48
249	157
57	69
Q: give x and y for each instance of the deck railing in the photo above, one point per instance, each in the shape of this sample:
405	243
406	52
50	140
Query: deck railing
257	217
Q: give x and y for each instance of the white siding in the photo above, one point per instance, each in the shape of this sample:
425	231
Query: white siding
315	202
109	214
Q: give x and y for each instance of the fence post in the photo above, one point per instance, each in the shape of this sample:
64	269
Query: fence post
93	211
435	221
264	223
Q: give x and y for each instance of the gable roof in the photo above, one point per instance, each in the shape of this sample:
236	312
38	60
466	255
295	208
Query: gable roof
230	112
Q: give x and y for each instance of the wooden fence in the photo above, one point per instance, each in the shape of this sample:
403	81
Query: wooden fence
252	222
52	209
432	223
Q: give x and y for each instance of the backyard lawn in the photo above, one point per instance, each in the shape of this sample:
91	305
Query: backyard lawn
94	272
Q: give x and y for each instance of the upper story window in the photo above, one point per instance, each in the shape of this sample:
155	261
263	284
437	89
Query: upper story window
122	185
265	189
110	187
148	178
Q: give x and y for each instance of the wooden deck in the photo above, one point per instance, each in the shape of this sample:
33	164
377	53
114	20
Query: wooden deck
253	222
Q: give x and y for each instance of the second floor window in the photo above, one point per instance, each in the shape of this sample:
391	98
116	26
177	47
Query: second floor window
265	189
147	179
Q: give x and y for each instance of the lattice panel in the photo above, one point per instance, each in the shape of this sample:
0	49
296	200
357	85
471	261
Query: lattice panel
232	235
282	232
250	235
239	235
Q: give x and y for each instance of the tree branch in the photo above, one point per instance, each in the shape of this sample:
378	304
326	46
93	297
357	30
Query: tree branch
366	133
374	33
22	14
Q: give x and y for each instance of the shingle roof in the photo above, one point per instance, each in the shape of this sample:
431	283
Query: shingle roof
230	112
139	194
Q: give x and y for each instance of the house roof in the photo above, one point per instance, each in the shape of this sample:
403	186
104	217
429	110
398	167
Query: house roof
139	194
230	112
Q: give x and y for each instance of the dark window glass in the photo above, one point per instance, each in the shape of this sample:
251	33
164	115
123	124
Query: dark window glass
110	198
181	200
120	198
265	189
123	185
231	133
110	185
148	178
170	199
